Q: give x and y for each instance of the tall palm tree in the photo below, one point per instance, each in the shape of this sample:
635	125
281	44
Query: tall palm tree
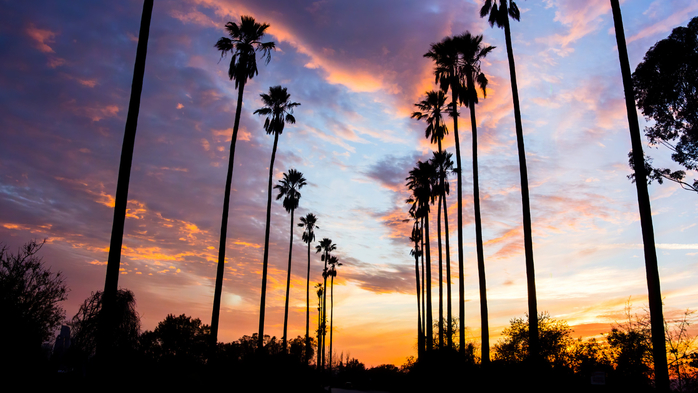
473	51
245	40
326	247
334	263
421	182
320	290
111	282
279	111
432	110
289	188
446	57
499	16
652	270
308	223
417	252
443	163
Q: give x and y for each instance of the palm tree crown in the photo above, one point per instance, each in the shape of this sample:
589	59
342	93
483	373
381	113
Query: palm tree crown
288	188
244	41
498	15
432	109
278	110
308	223
472	52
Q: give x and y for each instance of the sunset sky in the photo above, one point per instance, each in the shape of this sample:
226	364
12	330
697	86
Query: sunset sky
357	68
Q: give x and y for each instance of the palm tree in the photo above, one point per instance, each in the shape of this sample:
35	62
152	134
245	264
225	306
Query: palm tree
473	51
308	222
443	163
417	252
654	291
446	56
288	189
433	108
334	263
279	111
500	16
421	182
244	41
320	322
111	282
326	247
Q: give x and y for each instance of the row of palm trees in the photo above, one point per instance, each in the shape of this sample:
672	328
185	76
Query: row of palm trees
458	69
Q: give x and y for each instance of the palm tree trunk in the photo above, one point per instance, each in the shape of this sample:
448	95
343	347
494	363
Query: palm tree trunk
319	331
528	236
288	284
430	319
424	283
652	271
331	319
420	337
461	270
224	221
111	283
441	279
449	314
324	309
307	311
260	339
484	322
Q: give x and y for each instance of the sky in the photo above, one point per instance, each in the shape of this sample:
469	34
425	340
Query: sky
357	68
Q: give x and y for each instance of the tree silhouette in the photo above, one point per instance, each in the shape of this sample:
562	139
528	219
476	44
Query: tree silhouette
279	111
326	247
421	182
111	282
244	41
416	252
446	57
334	263
320	291
472	52
643	199
30	296
665	85
499	16
288	189
308	223
432	109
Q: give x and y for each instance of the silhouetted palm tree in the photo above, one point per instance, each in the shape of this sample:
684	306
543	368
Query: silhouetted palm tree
111	283
308	223
326	247
433	108
421	182
473	51
334	263
416	252
447	58
288	189
320	290
443	163
652	270
279	111
244	41
500	16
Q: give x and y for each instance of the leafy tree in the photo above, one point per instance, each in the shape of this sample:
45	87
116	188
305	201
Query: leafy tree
654	291
279	111
665	85
499	16
177	342
30	296
298	348
288	189
245	40
631	349
555	340
85	326
308	223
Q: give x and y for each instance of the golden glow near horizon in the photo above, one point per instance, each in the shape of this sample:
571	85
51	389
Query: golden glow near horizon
357	74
